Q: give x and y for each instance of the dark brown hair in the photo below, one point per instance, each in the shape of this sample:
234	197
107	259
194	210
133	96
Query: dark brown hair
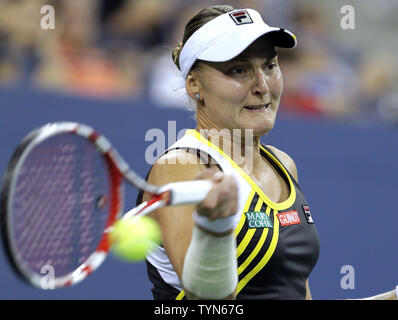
197	21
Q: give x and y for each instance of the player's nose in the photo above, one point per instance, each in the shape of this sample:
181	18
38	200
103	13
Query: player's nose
260	85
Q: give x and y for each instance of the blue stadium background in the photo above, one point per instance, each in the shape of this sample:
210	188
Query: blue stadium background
349	174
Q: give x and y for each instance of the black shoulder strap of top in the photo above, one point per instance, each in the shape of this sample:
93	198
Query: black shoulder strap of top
277	168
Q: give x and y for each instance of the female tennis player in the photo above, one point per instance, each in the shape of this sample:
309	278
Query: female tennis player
253	237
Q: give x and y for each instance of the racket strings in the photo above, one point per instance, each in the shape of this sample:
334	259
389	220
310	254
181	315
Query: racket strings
57	220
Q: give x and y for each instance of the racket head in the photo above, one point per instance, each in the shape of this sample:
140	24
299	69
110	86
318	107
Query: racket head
61	192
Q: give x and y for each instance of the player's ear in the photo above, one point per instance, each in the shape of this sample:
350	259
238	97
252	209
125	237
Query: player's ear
192	84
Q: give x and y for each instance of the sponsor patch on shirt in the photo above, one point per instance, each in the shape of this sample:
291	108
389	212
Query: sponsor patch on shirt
258	219
288	218
307	213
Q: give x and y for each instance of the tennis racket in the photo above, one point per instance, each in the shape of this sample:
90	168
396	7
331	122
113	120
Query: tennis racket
61	195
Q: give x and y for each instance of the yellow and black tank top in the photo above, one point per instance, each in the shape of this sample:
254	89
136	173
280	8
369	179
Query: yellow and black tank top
277	243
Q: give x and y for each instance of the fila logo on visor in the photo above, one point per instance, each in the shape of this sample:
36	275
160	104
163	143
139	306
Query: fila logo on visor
241	17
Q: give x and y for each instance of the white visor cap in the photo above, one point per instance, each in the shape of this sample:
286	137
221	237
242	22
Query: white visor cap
228	35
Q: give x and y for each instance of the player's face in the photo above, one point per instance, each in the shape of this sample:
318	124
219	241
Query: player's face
244	92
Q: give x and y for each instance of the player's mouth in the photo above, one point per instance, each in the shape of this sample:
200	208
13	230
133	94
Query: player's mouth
258	107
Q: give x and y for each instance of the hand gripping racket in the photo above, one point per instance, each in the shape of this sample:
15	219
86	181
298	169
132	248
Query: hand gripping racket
61	195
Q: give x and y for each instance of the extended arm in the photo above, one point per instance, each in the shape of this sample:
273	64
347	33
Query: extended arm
192	236
389	295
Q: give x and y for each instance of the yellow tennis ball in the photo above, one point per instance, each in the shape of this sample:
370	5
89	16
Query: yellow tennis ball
134	238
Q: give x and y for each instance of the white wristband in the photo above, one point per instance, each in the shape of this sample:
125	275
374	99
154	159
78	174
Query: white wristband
217	225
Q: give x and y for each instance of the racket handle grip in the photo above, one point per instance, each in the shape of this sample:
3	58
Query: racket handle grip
188	192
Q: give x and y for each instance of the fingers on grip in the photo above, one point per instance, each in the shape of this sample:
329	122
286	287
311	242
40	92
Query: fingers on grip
221	201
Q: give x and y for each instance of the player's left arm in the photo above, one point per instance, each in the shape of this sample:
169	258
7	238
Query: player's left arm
288	162
308	292
290	165
389	295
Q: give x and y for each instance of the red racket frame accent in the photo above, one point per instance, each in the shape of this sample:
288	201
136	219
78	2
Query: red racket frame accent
115	207
118	171
116	176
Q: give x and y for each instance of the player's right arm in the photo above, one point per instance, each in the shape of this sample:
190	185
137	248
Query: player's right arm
177	223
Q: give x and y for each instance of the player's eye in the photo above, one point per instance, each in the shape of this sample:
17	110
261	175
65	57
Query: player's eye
237	70
270	66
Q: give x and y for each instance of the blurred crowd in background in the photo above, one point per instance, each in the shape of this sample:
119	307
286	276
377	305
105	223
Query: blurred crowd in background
121	49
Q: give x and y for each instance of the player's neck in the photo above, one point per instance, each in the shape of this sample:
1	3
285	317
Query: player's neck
239	144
